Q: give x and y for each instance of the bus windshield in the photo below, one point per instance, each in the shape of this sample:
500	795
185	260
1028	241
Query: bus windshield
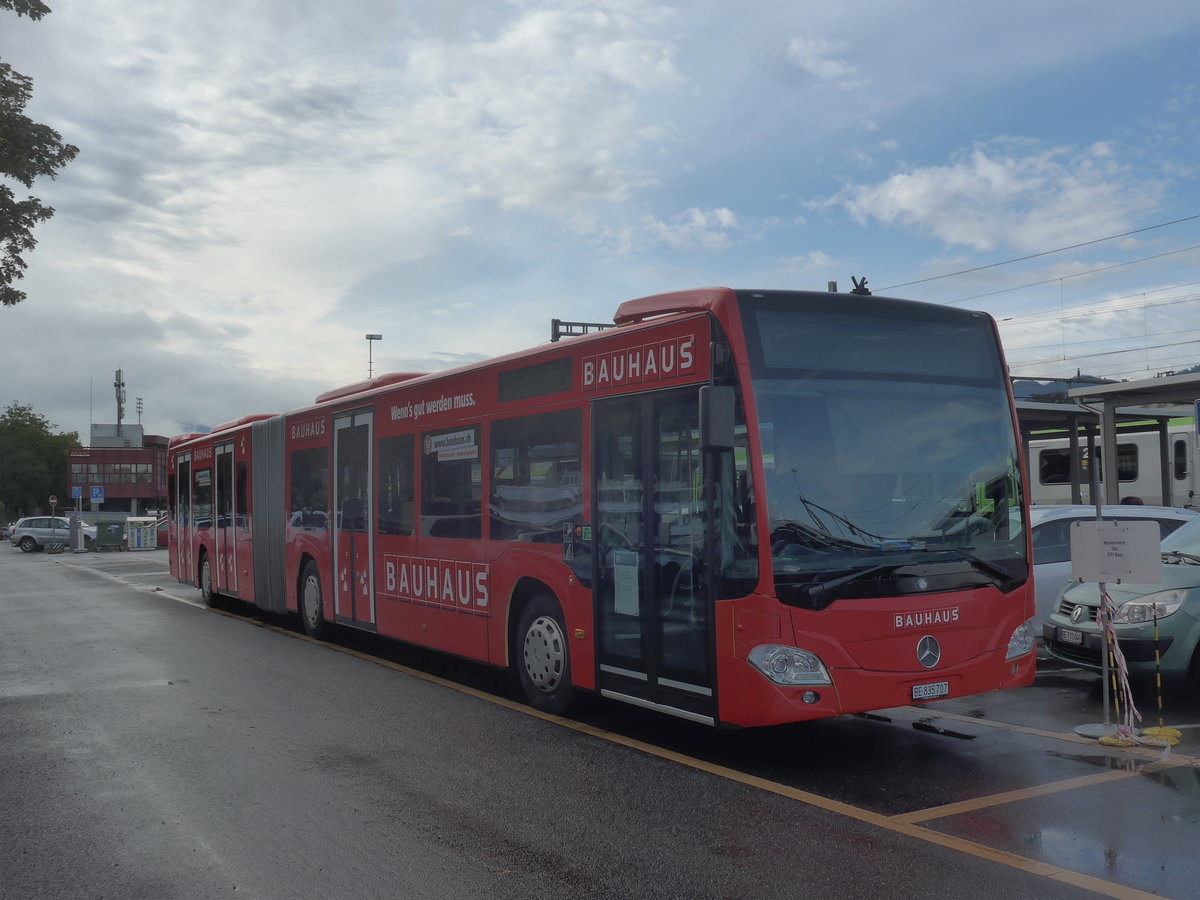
887	440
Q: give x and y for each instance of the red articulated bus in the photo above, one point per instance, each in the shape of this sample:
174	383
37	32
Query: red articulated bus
737	507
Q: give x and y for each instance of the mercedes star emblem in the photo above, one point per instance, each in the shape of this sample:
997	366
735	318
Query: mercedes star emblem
928	651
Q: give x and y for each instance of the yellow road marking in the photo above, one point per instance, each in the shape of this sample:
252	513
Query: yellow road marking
1029	793
896	824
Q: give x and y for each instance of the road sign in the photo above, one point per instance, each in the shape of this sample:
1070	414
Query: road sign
53	500
76	492
97	494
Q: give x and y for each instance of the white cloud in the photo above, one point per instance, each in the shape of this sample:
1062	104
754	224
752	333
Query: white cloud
696	229
816	262
543	112
1010	194
820	58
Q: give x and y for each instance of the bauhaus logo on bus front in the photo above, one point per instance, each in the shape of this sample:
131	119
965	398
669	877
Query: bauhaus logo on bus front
659	361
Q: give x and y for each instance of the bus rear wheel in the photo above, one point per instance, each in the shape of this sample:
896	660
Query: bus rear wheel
311	611
543	659
207	597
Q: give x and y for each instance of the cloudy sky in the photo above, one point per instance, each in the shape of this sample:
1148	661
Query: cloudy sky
260	184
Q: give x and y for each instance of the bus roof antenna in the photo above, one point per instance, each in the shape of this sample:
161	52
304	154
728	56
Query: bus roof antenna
860	286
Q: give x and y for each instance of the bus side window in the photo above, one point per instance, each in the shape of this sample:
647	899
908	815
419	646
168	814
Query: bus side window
451	481
536	482
309	489
396	485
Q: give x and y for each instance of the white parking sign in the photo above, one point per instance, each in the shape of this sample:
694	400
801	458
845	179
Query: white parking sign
1115	552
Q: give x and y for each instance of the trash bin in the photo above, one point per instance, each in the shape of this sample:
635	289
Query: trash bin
110	534
141	533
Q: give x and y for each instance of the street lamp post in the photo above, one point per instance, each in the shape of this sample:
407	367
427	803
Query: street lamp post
371	338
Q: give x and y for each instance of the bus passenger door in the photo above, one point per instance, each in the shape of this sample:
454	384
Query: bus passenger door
655	644
183	519
353	576
224	537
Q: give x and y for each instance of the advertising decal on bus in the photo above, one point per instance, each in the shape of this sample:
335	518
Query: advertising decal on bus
640	363
437	582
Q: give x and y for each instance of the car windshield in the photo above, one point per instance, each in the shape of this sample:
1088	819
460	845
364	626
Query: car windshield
887	440
1184	540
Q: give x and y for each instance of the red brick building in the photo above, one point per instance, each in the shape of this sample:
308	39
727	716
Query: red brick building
133	478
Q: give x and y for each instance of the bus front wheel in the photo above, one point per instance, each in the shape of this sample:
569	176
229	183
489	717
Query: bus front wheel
311	610
542	656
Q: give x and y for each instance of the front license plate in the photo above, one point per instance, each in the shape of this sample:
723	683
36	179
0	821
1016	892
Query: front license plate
931	691
1067	636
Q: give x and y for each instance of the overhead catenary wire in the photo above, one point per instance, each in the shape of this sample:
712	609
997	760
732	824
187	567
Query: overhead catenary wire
1079	310
1061	278
1059	315
1101	353
1111	237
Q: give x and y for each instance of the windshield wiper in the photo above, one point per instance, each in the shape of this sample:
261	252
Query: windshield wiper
790	532
979	562
1180	555
819	594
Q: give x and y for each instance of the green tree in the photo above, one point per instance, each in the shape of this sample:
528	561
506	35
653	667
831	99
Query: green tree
33	461
27	150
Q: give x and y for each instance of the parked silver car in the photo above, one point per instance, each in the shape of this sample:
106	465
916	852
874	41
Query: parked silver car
1051	530
35	532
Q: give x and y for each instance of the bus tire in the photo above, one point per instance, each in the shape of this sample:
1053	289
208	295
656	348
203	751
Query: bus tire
207	596
312	612
542	656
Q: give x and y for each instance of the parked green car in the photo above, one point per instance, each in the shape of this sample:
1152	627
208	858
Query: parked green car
1071	633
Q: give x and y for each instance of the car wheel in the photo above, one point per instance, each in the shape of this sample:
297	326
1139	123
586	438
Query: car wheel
543	659
27	544
311	607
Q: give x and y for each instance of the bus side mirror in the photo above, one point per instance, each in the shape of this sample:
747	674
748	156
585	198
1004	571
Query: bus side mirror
716	417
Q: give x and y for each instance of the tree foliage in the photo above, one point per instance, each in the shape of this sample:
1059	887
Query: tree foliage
27	150
33	461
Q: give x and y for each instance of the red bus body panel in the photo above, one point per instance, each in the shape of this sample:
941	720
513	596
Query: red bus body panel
877	666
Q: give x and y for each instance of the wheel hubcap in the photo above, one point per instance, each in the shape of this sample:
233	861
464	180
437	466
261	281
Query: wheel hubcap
545	654
312	601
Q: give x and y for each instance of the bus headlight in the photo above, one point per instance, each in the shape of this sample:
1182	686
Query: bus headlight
789	665
1021	641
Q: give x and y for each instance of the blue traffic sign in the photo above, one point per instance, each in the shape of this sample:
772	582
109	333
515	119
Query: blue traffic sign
76	492
97	493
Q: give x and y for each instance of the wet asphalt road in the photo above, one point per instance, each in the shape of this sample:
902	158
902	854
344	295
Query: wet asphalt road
151	748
